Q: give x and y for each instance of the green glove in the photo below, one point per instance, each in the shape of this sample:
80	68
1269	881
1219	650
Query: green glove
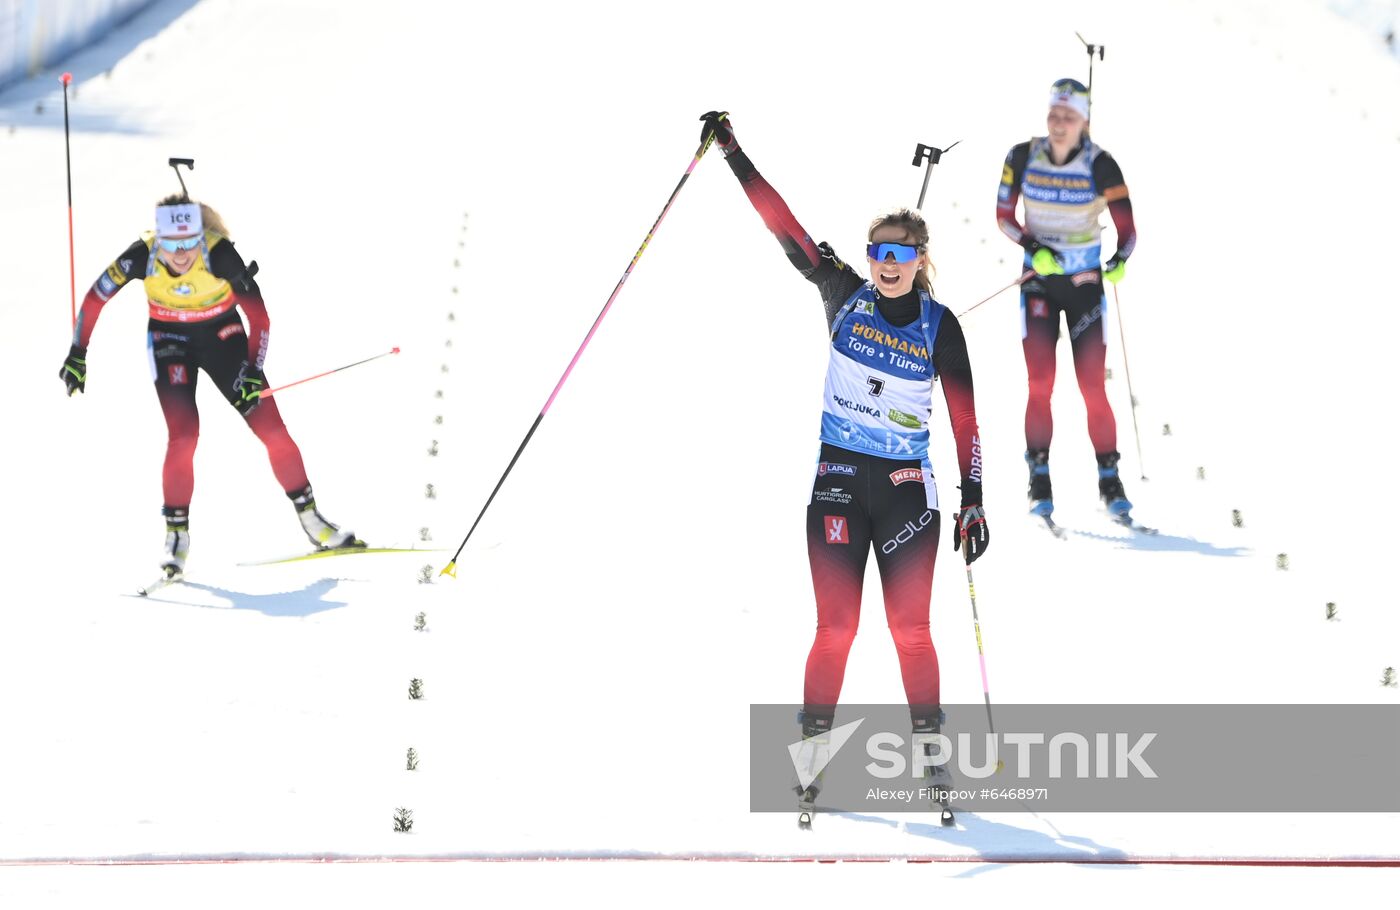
247	388
1114	268
1046	262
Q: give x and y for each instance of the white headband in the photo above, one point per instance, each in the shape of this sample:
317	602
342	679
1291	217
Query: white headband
184	220
1075	101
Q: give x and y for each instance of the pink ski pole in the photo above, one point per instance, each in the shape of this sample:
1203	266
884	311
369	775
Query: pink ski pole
451	567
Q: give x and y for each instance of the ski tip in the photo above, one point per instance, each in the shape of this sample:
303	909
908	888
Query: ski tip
169	576
1132	524
394	351
450	570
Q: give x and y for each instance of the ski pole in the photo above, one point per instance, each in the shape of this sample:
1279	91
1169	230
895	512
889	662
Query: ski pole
922	152
66	78
1024	275
451	567
1092	49
1132	399
981	658
1118	308
268	393
1137	436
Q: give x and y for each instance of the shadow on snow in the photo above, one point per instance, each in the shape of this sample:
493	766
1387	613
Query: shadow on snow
1012	843
1164	543
307	601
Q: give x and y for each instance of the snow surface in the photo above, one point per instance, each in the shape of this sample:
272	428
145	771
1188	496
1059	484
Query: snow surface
419	180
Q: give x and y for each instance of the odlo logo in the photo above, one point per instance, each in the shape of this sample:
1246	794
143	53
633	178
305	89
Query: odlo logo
907	532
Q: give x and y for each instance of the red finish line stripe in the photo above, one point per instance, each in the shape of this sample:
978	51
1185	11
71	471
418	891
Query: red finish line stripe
1379	862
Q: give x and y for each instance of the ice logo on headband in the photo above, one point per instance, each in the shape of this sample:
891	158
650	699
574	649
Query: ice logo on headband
183	220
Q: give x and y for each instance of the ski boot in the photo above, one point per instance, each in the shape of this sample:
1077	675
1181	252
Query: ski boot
810	762
937	782
1111	488
177	548
177	542
1038	460
322	533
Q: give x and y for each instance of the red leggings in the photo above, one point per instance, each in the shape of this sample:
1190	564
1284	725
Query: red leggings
1042	302
848	513
178	353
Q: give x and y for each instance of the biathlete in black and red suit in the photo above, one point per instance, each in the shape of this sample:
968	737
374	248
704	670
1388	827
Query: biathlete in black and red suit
195	284
1066	181
874	484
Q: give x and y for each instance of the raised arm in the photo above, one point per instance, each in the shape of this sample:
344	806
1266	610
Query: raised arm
818	263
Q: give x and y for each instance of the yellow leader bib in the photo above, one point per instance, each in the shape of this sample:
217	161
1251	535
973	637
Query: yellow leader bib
195	296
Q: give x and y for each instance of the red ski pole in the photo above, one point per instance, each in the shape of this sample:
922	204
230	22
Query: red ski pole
268	393
68	161
1024	275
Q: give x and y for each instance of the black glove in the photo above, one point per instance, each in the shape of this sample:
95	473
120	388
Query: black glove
74	372
247	388
719	123
971	525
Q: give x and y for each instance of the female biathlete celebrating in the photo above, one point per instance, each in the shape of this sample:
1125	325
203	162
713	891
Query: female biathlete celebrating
196	283
1067	181
874	484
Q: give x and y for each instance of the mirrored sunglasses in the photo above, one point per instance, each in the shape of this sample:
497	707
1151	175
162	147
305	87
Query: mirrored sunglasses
902	252
171	244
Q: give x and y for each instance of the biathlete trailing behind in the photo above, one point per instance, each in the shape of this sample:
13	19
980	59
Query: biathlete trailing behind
195	285
1066	181
873	484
